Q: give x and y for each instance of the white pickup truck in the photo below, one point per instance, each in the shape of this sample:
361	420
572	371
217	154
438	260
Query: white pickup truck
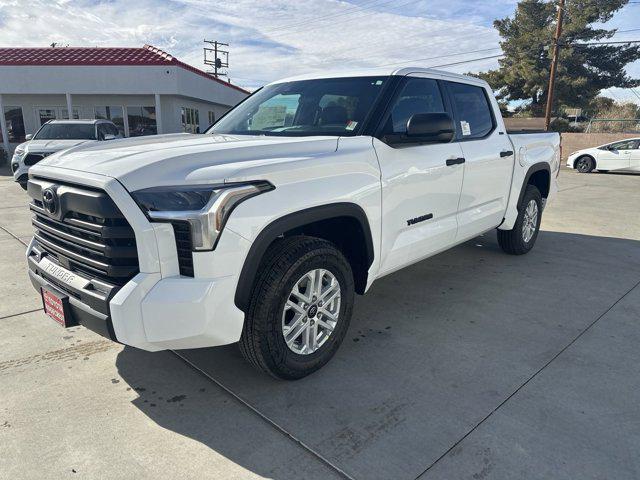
261	230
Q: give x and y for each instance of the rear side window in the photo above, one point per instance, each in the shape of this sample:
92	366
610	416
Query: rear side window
418	95
473	112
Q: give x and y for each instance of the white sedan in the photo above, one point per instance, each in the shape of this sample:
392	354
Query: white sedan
621	156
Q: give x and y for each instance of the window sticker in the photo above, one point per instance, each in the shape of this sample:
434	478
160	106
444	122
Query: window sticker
351	125
466	128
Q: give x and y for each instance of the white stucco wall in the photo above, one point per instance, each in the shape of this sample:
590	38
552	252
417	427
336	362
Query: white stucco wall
123	80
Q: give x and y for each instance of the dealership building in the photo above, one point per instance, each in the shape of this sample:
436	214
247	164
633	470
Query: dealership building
143	91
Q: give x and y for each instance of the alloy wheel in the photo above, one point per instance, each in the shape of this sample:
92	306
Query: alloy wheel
311	311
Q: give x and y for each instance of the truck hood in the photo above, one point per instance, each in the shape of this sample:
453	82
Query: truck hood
178	159
51	145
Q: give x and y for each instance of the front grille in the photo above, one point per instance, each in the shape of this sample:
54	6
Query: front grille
183	244
88	235
33	158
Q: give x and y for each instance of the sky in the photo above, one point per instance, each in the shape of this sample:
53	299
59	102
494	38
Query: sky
271	39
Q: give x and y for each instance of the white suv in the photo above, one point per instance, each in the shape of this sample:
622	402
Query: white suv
262	229
54	136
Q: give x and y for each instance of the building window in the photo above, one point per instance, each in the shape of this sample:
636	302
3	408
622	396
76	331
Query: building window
65	114
113	113
14	123
43	115
142	121
190	120
212	117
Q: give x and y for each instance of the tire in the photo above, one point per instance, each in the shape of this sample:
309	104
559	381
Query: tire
517	241
585	164
284	268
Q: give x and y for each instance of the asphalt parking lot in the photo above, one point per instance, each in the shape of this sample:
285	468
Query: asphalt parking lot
472	364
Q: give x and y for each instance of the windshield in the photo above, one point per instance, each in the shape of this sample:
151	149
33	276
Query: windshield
329	106
66	131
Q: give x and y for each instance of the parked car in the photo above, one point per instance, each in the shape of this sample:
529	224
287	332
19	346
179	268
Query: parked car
261	230
621	156
56	135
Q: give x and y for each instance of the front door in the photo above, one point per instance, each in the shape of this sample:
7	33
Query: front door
616	156
488	157
420	192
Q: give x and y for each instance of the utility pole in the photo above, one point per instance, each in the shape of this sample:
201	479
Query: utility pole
554	65
220	58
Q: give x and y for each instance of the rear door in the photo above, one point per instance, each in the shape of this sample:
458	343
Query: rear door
616	156
488	157
634	159
420	191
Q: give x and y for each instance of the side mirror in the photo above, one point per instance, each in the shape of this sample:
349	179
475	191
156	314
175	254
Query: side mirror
431	127
109	136
28	136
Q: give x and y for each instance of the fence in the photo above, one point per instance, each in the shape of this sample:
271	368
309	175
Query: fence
613	125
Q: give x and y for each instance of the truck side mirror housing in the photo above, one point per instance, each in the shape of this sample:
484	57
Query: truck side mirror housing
431	127
28	137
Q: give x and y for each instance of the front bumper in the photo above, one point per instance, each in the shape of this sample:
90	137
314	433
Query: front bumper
19	169
158	308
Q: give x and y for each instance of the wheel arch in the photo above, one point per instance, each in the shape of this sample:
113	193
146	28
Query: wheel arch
538	175
345	224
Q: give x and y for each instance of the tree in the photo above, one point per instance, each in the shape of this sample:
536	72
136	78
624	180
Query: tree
620	111
583	71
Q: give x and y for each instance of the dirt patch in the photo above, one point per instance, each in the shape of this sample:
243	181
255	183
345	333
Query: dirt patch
75	352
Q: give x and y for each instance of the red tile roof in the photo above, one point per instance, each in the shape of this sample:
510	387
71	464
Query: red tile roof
147	55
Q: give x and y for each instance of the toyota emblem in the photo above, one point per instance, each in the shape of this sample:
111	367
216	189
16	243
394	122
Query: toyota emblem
50	200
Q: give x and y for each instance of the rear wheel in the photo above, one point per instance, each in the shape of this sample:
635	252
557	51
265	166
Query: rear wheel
522	237
300	308
585	164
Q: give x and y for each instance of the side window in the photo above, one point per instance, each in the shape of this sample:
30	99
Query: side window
473	112
418	95
628	145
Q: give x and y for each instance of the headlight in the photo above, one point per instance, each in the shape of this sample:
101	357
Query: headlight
18	153
205	208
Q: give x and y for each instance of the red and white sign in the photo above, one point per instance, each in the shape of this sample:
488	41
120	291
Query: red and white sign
53	307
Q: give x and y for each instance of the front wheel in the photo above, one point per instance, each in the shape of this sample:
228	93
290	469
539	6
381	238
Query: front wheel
585	165
300	307
522	237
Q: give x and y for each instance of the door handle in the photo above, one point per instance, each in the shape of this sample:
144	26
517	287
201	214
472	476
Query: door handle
455	161
506	153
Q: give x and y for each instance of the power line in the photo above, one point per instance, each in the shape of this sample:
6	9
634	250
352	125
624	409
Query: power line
305	29
414	46
439	56
466	61
314	19
599	43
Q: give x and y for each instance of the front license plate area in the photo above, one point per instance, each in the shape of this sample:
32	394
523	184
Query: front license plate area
56	305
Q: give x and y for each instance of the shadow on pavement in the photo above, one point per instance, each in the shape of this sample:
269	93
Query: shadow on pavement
431	351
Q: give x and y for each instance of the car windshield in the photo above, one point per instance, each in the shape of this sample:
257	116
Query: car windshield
330	106
66	131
